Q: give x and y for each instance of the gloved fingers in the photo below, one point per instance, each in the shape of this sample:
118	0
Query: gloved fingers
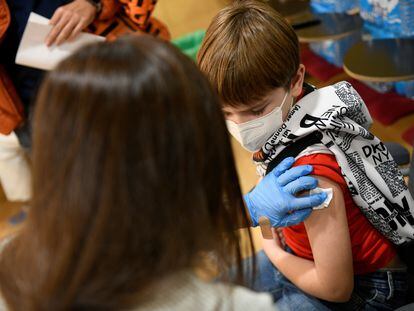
295	217
309	201
300	184
283	166
294	173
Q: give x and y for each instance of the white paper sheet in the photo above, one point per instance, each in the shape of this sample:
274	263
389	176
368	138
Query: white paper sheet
36	18
33	51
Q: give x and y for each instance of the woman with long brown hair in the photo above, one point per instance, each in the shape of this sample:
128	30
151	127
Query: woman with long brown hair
133	180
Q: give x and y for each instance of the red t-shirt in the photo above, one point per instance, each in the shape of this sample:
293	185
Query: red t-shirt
370	250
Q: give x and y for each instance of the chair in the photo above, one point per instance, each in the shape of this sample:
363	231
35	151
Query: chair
400	155
384	60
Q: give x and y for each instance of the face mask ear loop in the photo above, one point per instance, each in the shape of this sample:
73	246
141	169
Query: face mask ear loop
283	102
291	104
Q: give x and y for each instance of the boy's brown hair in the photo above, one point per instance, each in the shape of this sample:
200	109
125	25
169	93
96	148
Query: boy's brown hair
249	50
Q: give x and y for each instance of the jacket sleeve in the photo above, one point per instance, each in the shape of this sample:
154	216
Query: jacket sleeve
135	16
4	19
109	9
11	109
139	11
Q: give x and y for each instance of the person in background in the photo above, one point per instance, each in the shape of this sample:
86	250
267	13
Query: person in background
134	189
19	84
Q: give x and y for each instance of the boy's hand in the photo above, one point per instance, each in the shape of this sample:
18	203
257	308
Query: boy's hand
281	237
274	197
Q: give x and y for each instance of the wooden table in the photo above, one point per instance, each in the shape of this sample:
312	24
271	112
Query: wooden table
332	26
385	60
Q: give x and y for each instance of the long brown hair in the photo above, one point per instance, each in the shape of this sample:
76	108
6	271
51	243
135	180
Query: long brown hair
133	178
249	50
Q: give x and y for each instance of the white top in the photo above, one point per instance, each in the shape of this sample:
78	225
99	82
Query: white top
184	291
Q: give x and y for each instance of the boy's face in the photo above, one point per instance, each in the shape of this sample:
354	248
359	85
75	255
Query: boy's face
274	99
245	113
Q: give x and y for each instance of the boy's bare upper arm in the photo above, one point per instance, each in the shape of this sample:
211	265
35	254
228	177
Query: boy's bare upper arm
328	234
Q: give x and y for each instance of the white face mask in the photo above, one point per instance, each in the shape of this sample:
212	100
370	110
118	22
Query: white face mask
252	135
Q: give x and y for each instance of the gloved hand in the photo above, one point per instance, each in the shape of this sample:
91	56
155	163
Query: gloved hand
274	197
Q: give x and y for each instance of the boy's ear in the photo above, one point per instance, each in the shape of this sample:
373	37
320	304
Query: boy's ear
297	81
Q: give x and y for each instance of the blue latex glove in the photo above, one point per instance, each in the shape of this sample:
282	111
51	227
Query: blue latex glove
274	197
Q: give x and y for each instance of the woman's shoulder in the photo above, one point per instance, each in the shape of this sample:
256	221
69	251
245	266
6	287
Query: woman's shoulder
242	298
3	305
185	291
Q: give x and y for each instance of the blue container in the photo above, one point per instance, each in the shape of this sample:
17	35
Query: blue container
334	51
405	88
388	18
333	6
380	87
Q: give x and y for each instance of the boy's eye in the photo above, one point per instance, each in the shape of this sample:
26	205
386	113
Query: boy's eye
258	112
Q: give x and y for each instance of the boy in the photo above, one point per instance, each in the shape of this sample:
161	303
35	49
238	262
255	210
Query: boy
251	56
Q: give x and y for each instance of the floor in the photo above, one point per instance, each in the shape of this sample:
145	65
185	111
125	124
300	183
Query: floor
184	16
10	215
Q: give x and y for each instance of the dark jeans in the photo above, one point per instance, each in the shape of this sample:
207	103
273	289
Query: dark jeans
285	294
381	290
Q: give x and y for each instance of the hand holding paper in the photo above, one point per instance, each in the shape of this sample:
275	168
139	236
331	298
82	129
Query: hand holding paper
33	52
69	20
